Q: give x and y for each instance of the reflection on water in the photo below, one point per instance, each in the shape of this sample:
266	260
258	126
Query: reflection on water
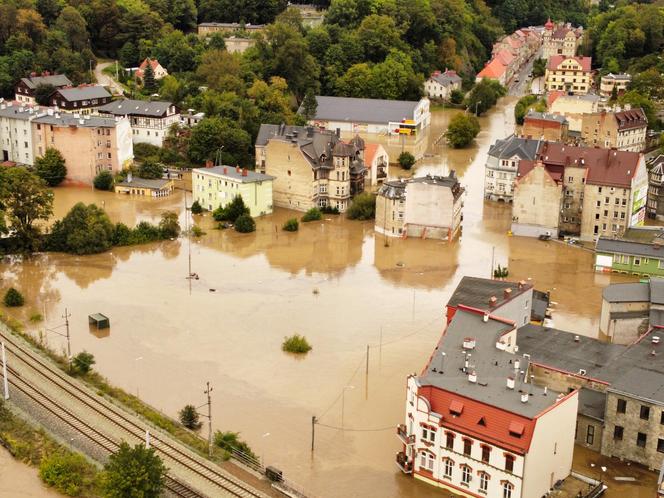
168	339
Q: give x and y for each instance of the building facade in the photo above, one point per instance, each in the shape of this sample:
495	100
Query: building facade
441	85
391	208
89	144
25	88
568	74
560	39
655	206
16	132
145	187
630	257
83	99
207	28
158	70
536	203
610	81
573	107
311	167
620	129
545	126
377	162
150	121
502	164
217	186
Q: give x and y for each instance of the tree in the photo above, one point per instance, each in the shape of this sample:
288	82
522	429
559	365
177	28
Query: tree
189	417
149	82
43	92
150	169
220	70
66	472
245	224
84	230
539	68
363	207
313	214
25	200
230	441
13	298
83	362
134	473
129	55
378	35
309	105
51	167
456	96
72	24
463	128
484	95
232	211
104	180
524	104
211	133
196	208
406	160
169	226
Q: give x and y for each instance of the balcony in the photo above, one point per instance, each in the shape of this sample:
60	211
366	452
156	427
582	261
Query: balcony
404	463
402	433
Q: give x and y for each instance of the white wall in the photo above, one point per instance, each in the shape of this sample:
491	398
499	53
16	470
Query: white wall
16	139
125	144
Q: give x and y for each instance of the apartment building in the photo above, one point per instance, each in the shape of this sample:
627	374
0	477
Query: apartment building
16	132
25	88
312	168
545	126
655	204
83	99
568	74
150	121
427	207
216	186
502	164
560	39
610	81
573	107
623	129
476	425
89	144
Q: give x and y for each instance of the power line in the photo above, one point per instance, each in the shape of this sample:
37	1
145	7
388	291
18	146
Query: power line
346	429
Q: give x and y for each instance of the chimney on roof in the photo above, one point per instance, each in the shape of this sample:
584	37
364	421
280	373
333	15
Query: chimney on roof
469	343
485	318
655	339
516	364
209	163
129	177
510	382
577	338
237	169
225	170
493	300
245	172
338	132
524	398
522	284
507	293
472	377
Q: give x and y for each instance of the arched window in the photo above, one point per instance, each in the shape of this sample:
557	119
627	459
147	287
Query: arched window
508	487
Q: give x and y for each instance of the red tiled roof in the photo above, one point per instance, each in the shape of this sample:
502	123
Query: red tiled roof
556	60
555	171
609	167
496	429
153	62
552	96
505	57
494	69
633	118
370	150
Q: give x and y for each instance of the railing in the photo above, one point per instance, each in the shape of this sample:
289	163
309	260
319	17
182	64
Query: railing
404	463
406	438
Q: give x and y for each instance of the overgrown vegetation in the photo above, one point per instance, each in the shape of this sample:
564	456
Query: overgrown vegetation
483	96
231	211
363	207
103	181
500	272
291	225
83	362
196	208
313	214
406	160
296	344
69	473
525	104
13	298
230	441
462	130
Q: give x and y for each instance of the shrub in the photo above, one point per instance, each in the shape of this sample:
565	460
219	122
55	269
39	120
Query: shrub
84	230
363	207
169	226
296	344
456	97
51	167
196	208
189	417
330	210
197	231
150	169
66	472
462	130
231	441
83	362
231	211
313	214
245	224
36	317
133	472
145	151
291	225
13	298
406	160
525	104
501	272
103	181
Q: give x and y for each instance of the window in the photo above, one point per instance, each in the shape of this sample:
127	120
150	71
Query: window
449	465
509	463
618	432
507	489
484	482
590	434
641	439
466	474
486	453
661	416
645	412
622	406
660	445
425	433
467	446
449	443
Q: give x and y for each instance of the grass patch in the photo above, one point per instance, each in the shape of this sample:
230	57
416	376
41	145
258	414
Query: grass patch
296	344
68	472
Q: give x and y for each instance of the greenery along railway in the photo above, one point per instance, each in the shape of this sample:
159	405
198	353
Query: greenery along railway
170	453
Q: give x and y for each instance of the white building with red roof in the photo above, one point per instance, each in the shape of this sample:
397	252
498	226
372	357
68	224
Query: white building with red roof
495	70
569	74
377	162
475	423
159	71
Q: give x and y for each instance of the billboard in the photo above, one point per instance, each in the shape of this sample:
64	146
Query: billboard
639	197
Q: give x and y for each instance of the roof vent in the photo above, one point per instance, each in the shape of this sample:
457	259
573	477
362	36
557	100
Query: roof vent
524	398
655	339
507	293
582	371
516	364
469	343
472	377
493	300
576	338
510	382
485	318
501	346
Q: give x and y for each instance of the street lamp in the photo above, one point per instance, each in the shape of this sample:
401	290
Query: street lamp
343	392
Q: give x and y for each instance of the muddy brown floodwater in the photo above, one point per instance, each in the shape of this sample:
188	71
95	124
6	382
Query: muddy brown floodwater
334	281
17	480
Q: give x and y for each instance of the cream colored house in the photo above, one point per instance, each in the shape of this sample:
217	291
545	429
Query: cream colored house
611	81
536	203
216	186
573	107
560	39
377	162
145	187
568	74
312	168
620	129
391	208
16	132
441	85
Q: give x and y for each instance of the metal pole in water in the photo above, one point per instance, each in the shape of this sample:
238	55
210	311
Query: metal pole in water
5	382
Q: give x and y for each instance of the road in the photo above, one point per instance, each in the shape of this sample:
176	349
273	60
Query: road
106	80
37	385
520	88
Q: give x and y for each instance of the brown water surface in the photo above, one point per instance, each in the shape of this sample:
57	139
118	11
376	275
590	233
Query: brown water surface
333	281
17	480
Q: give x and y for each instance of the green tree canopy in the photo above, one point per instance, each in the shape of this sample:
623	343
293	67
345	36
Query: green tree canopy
84	230
51	167
463	128
134	473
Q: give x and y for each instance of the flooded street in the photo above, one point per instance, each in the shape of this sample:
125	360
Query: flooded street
336	282
17	480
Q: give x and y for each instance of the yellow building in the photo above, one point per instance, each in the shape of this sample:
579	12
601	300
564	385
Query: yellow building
217	186
568	74
145	187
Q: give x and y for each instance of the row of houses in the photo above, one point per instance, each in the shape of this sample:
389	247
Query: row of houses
501	403
510	54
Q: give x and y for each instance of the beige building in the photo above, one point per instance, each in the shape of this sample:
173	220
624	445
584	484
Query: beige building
573	107
427	207
312	168
377	162
611	81
560	39
536	203
207	28
145	187
89	144
568	74
441	85
620	129
238	44
545	126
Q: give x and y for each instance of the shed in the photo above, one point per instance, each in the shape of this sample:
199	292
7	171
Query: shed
98	320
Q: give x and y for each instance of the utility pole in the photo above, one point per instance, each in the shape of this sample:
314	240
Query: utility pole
313	431
209	415
5	382
493	256
66	317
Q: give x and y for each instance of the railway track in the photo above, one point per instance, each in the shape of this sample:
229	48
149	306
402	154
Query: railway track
193	463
